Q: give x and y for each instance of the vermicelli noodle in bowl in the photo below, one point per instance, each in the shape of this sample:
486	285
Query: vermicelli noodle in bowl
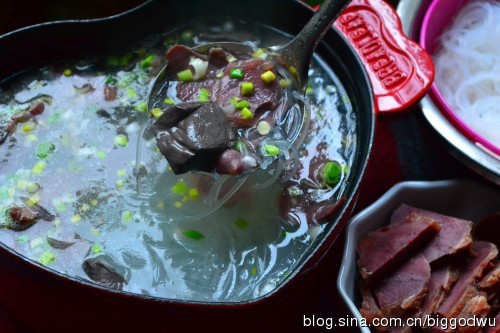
468	68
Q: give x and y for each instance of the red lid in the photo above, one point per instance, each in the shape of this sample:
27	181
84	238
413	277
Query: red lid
400	71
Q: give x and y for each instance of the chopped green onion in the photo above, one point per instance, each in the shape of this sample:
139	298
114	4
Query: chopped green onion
96	248
309	90
121	140
293	70
263	127
28	127
110	80
180	188
39	167
178	204
22	239
47	258
185	76
241	223
187	35
260	53
131	93
67	72
193	234
168	101
44	149
141	107
284	83
193	193
240	146
268	77
127	216
76	218
120	184
253	271
219	75
272	150
246	114
236	73
32	188
203	95
101	154
331	173
246	88
319	114
156	112
36	242
121	173
147	62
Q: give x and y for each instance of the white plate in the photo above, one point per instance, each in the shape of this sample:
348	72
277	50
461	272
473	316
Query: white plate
459	198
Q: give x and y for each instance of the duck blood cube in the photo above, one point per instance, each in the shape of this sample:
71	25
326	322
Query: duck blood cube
193	135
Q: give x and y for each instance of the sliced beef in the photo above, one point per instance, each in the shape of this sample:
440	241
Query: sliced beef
454	236
442	278
369	308
178	58
403	289
488	229
491	281
383	249
464	289
193	135
477	307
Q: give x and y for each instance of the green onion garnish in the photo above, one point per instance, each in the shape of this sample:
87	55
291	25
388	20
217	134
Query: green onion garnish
47	258
168	101
127	216
236	73
272	150
141	107
241	223
185	76
246	114
246	88
156	112
121	140
203	95
331	173
67	72
180	188
268	77
193	193
146	62
44	149
240	146
110	80
193	234
39	167
96	248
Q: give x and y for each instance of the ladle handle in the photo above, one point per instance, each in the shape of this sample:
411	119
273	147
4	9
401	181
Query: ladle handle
298	52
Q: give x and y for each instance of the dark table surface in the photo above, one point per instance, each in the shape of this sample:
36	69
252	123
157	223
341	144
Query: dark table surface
404	148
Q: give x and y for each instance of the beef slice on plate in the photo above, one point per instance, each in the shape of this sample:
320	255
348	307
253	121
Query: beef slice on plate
385	248
464	289
403	289
455	233
442	278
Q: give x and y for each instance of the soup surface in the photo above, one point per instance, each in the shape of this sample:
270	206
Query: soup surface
85	191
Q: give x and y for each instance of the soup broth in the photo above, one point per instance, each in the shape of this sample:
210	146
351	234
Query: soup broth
119	217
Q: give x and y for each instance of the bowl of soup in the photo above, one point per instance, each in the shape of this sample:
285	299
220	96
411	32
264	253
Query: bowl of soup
88	200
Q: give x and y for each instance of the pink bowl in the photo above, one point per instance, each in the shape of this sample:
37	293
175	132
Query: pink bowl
437	18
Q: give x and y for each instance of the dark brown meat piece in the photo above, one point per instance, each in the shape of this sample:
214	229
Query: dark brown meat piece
454	236
101	272
383	249
21	218
403	289
193	135
464	289
440	284
488	229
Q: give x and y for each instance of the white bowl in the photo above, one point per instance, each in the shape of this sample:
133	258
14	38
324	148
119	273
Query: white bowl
459	198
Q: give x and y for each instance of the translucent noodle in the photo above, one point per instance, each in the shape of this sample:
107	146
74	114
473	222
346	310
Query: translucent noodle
468	67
